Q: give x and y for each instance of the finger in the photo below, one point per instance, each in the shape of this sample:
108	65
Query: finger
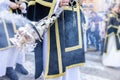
65	1
65	4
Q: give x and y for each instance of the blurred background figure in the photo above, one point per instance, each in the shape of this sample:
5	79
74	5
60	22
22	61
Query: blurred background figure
10	56
93	31
96	25
90	33
111	56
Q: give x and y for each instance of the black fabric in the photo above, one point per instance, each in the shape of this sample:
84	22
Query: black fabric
113	22
30	13
38	51
75	56
53	64
70	31
106	45
37	12
68	38
7	27
10	31
48	0
19	68
11	73
3	39
41	10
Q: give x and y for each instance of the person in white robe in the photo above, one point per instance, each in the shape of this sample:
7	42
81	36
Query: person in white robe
11	60
111	56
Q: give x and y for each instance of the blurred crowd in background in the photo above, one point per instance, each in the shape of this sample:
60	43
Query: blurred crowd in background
97	16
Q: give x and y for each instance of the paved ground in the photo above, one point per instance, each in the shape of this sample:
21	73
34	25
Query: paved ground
93	69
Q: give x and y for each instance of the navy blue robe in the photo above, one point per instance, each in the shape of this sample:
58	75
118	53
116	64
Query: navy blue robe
65	41
113	27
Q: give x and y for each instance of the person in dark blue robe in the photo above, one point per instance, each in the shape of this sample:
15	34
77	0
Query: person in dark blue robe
62	50
111	56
